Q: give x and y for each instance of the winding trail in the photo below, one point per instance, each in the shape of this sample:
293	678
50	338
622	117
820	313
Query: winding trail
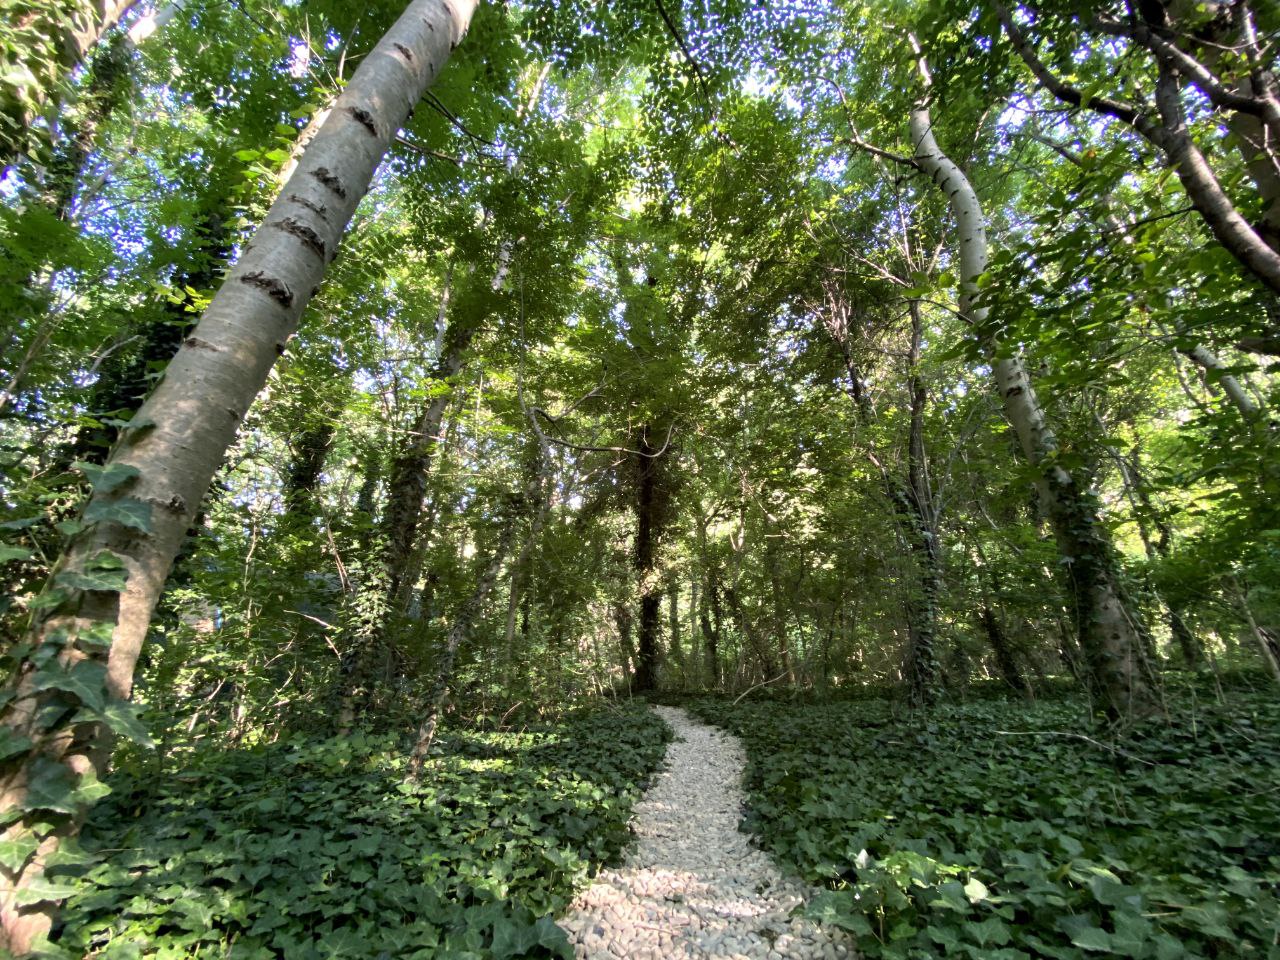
693	886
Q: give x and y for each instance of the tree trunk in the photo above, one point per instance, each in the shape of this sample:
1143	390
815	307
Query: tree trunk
920	519
622	619
1189	645
75	30
649	520
1005	661
156	476
711	629
750	635
461	629
1109	627
673	623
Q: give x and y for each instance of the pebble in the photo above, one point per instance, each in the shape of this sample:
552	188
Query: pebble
692	885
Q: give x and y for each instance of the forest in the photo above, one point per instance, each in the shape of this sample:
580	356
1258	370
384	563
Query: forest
431	429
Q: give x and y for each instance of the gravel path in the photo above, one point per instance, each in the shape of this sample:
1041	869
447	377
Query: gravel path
692	886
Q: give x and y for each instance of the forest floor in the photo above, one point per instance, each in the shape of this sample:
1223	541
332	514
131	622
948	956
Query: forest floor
319	848
995	829
692	885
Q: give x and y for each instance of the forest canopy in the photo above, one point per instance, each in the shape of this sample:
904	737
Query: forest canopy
388	390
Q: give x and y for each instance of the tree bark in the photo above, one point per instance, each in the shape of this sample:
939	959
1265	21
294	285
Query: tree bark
649	522
711	629
159	471
1109	628
1169	134
673	623
463	620
78	26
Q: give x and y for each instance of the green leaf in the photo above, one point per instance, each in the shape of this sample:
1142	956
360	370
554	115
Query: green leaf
51	597
51	786
41	890
128	512
21	524
976	890
122	717
9	552
1085	934
100	581
97	636
105	479
14	853
85	680
12	743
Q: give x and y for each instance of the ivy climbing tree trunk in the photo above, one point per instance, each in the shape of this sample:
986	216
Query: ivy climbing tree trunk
58	38
921	521
1108	626
67	696
650	511
463	620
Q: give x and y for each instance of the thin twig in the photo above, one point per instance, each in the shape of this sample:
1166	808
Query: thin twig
1076	736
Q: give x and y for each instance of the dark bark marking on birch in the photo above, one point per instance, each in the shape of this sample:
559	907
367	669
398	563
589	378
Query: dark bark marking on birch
363	117
319	209
330	180
310	239
404	52
275	288
195	343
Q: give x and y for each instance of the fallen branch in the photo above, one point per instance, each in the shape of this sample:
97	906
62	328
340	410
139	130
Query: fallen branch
759	685
1076	736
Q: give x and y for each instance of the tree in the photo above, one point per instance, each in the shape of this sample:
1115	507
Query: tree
109	579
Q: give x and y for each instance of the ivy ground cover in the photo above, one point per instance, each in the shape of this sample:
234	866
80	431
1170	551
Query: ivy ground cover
315	849
994	831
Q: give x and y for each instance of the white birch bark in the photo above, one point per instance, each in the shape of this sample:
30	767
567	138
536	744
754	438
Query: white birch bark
186	425
1109	629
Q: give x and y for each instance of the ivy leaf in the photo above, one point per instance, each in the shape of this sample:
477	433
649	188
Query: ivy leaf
86	680
51	786
105	479
50	598
22	523
122	717
14	853
100	581
42	890
128	512
976	890
97	636
12	743
8	552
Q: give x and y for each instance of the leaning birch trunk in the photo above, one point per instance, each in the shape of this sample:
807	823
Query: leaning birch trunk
66	698
1109	629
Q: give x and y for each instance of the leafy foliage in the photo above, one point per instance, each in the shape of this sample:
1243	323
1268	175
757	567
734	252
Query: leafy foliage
995	830
311	848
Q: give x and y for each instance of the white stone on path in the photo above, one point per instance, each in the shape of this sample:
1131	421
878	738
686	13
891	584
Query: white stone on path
693	886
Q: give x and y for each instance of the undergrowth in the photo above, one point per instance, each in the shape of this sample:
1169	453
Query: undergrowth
320	848
993	830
